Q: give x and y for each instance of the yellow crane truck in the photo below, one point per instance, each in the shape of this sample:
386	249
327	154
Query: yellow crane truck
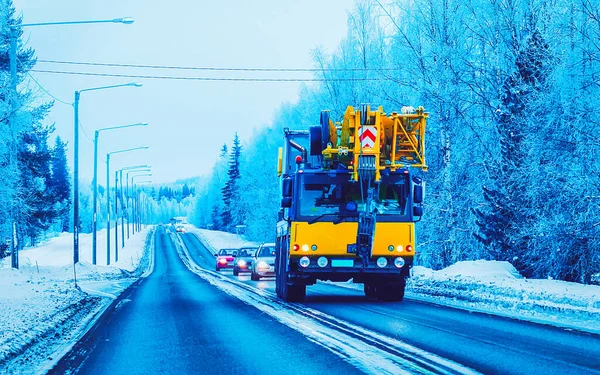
349	202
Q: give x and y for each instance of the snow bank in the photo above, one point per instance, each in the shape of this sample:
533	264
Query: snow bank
41	310
478	268
498	288
220	240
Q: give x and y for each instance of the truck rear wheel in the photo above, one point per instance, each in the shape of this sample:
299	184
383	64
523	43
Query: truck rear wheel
392	292
370	291
294	293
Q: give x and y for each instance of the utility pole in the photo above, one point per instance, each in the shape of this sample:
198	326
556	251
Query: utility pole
76	179
127	203
95	204
123	211
116	217
14	248
108	209
133	211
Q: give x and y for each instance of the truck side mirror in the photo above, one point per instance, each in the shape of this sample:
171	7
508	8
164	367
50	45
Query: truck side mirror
286	202
418	211
286	187
418	194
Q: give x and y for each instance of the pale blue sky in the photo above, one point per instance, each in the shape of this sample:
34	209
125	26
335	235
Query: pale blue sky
189	120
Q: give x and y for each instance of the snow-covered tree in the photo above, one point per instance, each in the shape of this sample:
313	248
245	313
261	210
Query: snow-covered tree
232	214
60	185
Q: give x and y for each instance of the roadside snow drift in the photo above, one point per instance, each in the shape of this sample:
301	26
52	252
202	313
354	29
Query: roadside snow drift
497	287
41	310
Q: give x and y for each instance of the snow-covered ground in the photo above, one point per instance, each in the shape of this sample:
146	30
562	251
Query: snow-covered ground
498	288
42	313
220	240
486	286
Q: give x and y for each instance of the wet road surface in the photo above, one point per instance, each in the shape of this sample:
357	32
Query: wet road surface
173	322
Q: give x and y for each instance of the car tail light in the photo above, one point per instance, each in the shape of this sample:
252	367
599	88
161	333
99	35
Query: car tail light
409	248
296	247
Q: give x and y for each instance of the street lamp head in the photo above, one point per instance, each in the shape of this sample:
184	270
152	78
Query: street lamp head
135	84
125	20
143	124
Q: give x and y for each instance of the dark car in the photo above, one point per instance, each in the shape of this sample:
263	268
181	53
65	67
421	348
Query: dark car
225	258
264	262
244	260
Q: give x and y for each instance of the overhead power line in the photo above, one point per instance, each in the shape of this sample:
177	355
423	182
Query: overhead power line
218	69
46	91
207	78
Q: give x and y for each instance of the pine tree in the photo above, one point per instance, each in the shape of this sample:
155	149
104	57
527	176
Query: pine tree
17	117
37	200
503	226
60	185
230	190
185	191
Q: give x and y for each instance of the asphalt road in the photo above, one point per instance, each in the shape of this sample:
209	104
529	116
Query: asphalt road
173	322
486	343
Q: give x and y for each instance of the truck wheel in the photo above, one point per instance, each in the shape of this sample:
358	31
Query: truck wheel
392	292
370	291
293	293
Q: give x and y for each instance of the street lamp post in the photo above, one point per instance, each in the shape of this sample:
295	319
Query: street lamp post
142	205
13	70
116	217
132	199
135	202
122	211
76	163
95	182
108	196
131	169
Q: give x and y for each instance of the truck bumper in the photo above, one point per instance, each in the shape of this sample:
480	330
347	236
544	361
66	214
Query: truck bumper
370	273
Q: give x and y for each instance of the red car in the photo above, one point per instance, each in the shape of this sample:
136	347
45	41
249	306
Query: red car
225	258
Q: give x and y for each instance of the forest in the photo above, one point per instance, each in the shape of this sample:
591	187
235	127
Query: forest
35	189
512	88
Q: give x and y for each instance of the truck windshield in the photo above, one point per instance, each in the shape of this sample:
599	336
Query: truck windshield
339	197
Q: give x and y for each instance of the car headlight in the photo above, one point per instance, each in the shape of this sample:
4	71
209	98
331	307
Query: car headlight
241	263
262	264
322	262
399	262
